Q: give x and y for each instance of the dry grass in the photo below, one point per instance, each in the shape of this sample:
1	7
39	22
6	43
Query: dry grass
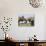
25	25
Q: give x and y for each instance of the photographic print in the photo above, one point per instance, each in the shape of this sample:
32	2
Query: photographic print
26	20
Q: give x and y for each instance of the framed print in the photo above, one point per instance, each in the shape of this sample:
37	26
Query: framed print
26	20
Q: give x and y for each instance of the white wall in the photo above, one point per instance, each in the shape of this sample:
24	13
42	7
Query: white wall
11	8
45	28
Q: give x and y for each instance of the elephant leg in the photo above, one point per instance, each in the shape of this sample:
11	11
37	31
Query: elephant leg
25	21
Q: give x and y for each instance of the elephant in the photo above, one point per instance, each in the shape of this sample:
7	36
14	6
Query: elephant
21	19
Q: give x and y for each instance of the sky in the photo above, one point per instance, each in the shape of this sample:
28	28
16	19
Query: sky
26	15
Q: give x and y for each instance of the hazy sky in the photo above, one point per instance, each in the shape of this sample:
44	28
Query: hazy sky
26	15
